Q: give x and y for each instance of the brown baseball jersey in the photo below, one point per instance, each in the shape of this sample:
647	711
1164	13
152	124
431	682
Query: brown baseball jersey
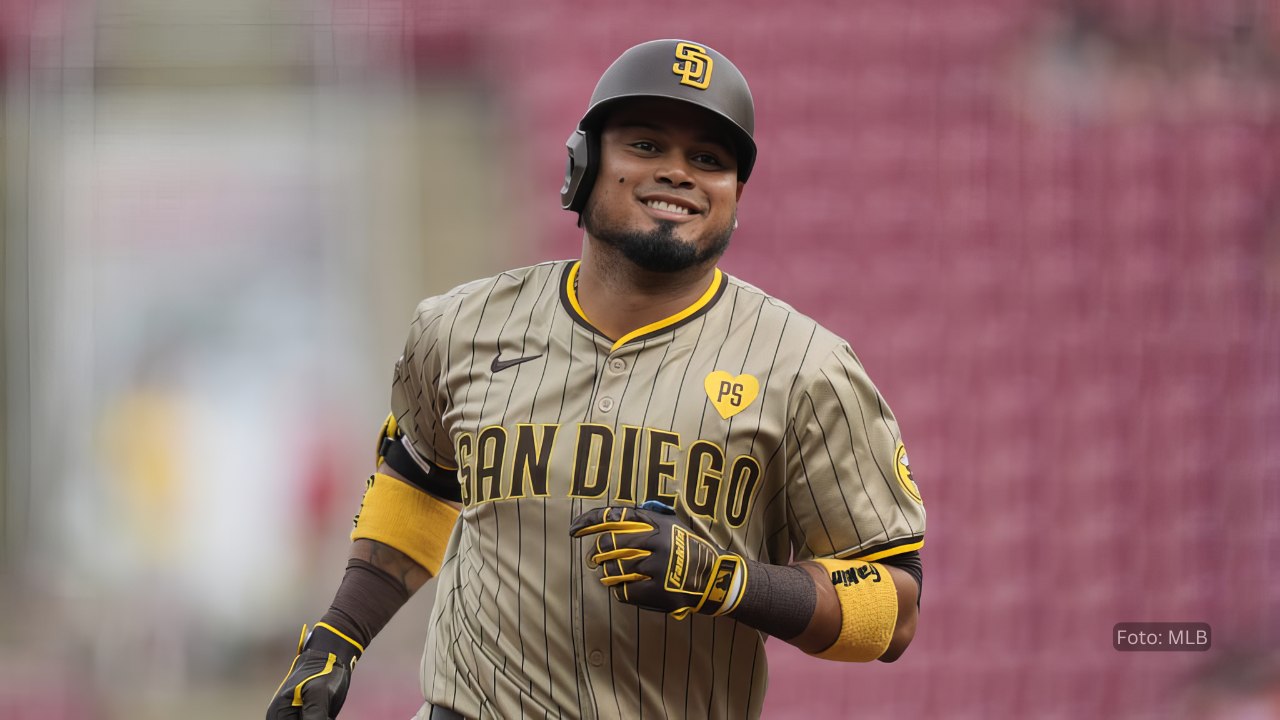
759	426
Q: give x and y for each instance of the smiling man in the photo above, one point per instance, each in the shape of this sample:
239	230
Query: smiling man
671	218
657	465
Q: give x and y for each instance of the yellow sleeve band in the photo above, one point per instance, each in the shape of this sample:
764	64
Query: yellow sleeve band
868	606
416	523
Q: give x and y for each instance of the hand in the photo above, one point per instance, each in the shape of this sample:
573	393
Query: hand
649	559
316	685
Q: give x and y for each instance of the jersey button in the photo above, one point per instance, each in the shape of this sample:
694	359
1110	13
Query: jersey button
597	658
618	364
605	404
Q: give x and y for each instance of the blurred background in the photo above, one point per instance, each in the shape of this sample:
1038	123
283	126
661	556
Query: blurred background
1051	230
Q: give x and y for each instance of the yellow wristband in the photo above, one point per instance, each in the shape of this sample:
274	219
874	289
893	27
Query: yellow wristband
414	522
868	606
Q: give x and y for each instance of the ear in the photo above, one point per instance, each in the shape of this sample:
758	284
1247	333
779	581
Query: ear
740	186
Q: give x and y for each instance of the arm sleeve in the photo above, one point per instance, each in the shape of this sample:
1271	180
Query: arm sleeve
850	489
417	400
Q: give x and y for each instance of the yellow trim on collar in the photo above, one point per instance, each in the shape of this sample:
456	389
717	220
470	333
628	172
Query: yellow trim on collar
571	290
697	305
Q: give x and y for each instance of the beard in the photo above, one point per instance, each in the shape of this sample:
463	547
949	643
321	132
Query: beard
656	250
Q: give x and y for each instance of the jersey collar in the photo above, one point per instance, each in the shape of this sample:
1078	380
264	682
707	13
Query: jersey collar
569	297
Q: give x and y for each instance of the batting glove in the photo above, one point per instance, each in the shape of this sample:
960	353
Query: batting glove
316	686
647	558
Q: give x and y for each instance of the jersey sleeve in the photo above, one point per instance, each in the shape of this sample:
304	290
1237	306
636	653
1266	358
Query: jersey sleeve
416	400
850	489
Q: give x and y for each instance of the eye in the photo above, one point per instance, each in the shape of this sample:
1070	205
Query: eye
708	159
644	146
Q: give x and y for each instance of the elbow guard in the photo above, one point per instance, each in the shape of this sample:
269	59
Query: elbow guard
868	606
414	522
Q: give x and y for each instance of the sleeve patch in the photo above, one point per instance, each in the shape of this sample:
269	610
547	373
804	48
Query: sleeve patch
902	468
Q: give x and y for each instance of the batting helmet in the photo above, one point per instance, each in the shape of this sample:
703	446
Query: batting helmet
674	69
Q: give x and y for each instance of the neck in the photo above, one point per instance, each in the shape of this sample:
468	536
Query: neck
618	297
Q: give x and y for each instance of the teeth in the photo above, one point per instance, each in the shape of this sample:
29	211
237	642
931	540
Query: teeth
668	207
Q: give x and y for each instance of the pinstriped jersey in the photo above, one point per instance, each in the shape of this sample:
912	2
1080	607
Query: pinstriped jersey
759	426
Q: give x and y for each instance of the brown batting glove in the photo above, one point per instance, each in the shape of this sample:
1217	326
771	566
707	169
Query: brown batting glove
316	686
648	558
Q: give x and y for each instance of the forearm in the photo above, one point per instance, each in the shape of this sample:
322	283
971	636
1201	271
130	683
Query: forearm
407	573
380	577
798	604
379	580
908	613
783	601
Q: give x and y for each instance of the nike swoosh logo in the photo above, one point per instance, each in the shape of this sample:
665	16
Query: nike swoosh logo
499	364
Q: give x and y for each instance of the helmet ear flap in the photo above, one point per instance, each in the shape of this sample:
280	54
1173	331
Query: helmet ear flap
580	171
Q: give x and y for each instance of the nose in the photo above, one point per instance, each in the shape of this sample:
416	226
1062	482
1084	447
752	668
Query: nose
674	173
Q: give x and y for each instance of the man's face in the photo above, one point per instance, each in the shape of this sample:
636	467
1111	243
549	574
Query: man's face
667	191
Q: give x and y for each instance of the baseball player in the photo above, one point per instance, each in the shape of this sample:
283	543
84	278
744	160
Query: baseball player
629	469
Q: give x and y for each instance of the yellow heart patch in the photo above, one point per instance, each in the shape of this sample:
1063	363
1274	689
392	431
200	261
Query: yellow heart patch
731	395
